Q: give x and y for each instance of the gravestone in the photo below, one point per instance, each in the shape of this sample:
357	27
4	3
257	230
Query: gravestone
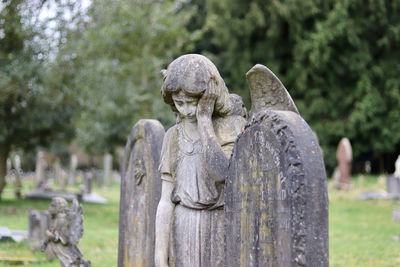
72	170
87	181
57	171
344	157
35	234
393	181
140	194
63	180
18	172
107	169
276	204
40	167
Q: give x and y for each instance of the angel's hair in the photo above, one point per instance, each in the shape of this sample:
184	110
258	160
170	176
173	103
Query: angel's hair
61	204
192	74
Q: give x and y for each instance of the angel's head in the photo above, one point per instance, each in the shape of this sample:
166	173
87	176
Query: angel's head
58	205
187	78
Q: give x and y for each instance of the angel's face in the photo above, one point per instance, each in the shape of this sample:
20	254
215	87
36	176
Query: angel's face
186	106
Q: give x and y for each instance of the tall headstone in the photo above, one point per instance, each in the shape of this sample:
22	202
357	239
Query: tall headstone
276	202
63	180
87	181
140	194
397	167
18	172
393	181
35	235
344	157
40	167
107	169
72	170
57	171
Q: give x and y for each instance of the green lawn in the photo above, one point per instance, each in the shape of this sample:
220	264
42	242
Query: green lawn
361	232
99	243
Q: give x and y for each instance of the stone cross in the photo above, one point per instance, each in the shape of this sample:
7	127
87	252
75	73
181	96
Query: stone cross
140	193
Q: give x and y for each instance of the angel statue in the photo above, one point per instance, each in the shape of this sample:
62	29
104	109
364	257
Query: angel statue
194	162
66	228
236	190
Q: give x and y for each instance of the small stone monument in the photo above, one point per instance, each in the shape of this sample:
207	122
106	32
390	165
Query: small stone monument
35	236
40	168
18	172
107	169
140	193
344	157
393	181
87	181
72	170
66	228
276	202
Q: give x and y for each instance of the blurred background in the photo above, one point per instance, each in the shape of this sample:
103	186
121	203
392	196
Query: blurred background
75	76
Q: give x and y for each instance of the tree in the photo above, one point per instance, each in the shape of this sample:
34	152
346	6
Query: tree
35	110
338	59
117	54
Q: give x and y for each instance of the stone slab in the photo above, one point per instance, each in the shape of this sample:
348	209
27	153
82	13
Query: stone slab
276	211
140	194
44	195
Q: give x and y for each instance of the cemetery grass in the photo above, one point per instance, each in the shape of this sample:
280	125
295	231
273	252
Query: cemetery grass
99	243
361	233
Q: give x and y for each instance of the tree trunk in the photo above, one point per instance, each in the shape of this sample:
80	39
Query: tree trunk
4	151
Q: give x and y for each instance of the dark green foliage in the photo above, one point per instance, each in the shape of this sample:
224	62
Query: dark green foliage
340	61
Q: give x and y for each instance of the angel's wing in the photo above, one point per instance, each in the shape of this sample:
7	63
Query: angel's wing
75	222
267	91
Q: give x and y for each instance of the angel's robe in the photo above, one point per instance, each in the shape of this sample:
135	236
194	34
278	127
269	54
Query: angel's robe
197	237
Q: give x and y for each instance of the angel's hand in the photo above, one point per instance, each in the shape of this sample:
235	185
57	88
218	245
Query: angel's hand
205	107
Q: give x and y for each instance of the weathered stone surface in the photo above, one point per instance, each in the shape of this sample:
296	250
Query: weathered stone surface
276	202
35	235
344	157
107	169
15	235
397	167
393	185
63	233
393	181
140	194
72	170
40	166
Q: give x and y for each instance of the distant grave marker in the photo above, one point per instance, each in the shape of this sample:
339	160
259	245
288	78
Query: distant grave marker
344	157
